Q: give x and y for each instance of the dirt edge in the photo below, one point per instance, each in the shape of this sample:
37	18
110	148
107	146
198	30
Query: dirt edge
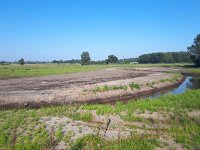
123	98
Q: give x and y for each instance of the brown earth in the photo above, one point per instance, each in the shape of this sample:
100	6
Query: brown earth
117	128
77	87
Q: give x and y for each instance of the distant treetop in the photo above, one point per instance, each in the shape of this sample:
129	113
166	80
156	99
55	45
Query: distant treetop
85	58
21	61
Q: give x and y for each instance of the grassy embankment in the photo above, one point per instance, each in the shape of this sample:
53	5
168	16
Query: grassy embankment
34	70
194	70
23	129
135	86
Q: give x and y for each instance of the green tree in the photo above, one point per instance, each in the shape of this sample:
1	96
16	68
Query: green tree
111	59
21	62
167	57
85	58
194	50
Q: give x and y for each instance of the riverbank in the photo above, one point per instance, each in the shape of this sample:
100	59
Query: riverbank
168	122
105	86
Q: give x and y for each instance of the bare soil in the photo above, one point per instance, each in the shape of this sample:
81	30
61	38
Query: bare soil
77	87
117	129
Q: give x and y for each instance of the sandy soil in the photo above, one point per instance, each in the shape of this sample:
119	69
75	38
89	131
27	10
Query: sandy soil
77	87
117	128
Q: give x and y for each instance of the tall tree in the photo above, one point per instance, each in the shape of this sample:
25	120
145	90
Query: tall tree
112	59
85	58
21	62
194	50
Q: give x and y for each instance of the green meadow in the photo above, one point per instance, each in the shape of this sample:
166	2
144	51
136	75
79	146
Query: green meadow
35	70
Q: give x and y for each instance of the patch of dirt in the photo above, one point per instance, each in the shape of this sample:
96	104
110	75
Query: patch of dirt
77	87
116	121
61	146
117	128
77	129
194	114
154	115
170	144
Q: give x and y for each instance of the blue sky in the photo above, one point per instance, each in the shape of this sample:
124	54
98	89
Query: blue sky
62	29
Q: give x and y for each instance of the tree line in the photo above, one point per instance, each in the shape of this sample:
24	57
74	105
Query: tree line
192	55
168	57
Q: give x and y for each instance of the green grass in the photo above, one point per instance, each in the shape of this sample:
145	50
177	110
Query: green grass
184	129
34	70
194	70
115	87
151	84
134	86
84	116
176	77
30	131
136	142
59	133
188	100
23	127
109	88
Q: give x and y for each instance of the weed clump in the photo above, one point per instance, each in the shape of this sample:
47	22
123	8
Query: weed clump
109	88
134	86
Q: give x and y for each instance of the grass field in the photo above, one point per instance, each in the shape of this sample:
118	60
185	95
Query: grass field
22	128
34	70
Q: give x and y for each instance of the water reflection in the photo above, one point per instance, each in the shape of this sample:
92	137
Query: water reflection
189	83
194	83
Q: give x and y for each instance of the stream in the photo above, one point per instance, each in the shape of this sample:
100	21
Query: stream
190	82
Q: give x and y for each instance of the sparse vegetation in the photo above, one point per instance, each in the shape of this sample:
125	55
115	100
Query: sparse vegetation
175	78
168	103
59	133
16	133
85	116
136	142
150	84
185	130
134	86
108	88
82	75
194	71
116	87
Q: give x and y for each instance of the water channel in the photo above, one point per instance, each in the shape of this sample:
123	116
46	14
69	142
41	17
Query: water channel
190	82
